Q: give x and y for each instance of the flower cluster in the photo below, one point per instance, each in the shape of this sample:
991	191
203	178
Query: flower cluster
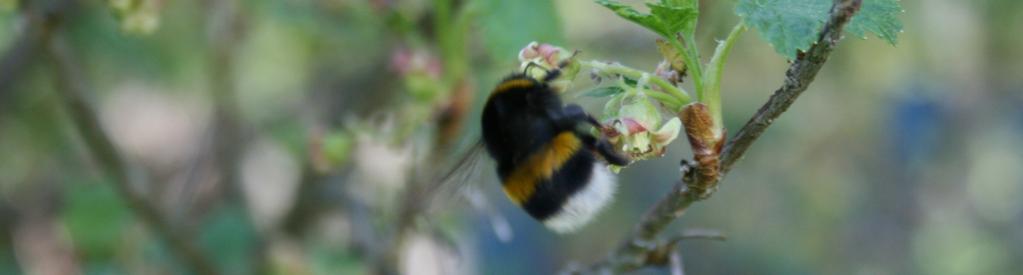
632	117
537	60
636	126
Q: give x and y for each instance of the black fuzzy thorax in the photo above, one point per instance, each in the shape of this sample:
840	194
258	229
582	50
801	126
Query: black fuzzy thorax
516	125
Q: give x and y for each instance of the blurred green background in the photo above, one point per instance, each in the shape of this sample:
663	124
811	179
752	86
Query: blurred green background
281	137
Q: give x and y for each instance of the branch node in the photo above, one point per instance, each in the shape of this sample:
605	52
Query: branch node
712	161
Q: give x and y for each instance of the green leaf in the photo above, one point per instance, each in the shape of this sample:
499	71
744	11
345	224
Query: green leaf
666	18
627	12
675	19
687	4
674	56
789	25
879	17
229	238
510	25
612	107
792	25
96	219
605	91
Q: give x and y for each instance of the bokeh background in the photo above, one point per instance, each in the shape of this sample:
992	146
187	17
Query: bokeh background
292	137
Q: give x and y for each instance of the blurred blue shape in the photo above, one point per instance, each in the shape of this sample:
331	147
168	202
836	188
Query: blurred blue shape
534	250
915	124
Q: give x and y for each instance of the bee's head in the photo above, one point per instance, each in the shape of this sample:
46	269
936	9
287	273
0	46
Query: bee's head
549	74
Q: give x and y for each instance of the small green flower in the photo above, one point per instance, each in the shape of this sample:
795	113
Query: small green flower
8	5
421	72
137	16
636	126
547	57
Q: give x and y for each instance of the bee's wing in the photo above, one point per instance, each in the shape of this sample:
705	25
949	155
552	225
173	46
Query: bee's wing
465	170
462	184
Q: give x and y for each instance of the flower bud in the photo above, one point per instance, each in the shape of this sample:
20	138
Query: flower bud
420	71
706	141
637	128
546	58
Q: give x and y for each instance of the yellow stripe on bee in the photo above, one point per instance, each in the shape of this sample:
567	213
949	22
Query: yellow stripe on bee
521	184
518	83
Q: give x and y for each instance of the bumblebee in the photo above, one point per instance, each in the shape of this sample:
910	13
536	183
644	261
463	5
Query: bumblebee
547	165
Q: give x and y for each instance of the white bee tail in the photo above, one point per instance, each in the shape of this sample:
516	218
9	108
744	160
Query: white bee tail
585	204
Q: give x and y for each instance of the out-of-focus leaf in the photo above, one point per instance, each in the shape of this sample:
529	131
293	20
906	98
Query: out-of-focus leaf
229	240
8	264
331	260
792	25
510	25
96	219
604	91
8	5
137	16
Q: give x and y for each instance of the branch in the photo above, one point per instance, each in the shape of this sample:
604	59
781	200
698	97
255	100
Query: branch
638	249
72	91
798	77
226	23
40	20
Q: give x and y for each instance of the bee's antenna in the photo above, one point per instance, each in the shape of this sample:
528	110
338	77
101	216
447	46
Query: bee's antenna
551	75
555	73
530	66
574	53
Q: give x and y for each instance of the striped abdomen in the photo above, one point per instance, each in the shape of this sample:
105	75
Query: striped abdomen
561	183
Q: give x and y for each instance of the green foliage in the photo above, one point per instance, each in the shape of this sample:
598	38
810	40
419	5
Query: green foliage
326	259
879	17
507	25
792	25
604	91
337	146
96	219
137	16
666	17
7	261
789	25
8	5
229	239
670	19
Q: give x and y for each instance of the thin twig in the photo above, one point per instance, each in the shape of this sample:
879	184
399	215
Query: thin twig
704	234
40	18
677	268
226	22
798	77
72	91
639	247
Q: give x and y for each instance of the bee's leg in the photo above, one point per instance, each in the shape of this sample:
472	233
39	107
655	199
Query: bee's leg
568	117
602	147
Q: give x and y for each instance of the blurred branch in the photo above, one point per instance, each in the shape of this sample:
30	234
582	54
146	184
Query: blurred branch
37	236
797	79
73	92
642	248
451	23
677	268
40	19
226	23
